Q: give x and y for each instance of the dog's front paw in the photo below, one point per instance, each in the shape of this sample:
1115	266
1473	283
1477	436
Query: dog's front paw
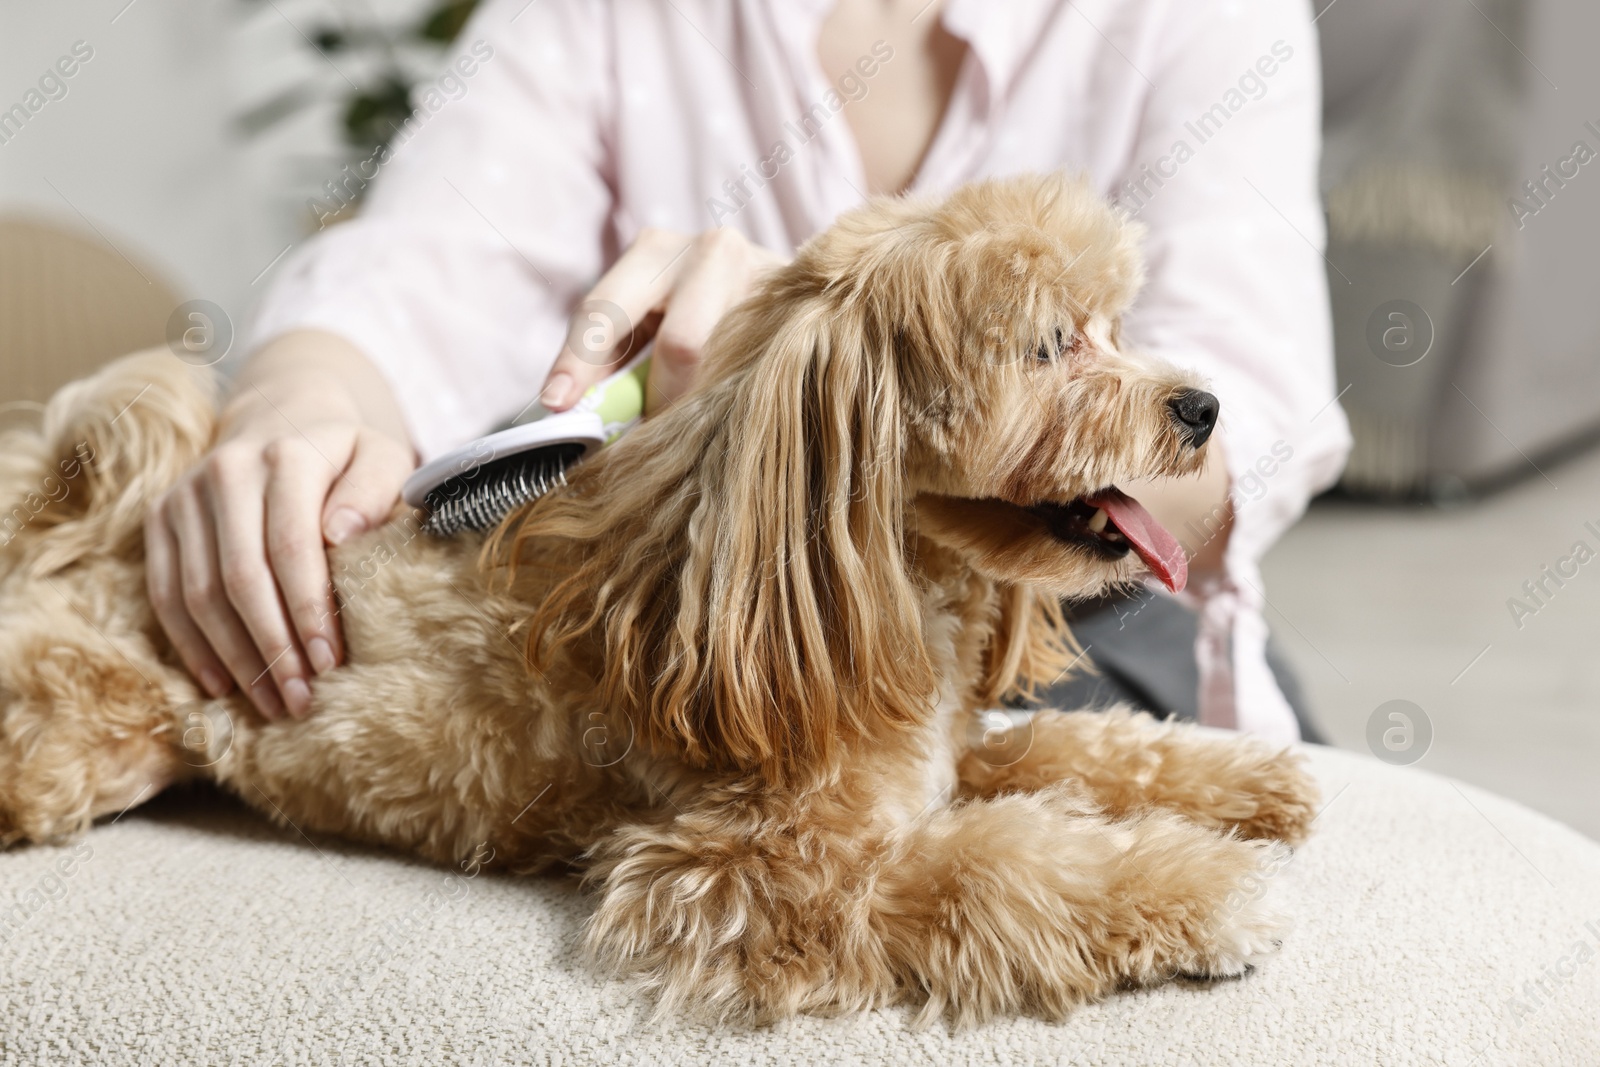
1282	798
1244	928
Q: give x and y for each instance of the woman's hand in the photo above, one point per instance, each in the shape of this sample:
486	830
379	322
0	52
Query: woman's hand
236	563
1197	508
670	286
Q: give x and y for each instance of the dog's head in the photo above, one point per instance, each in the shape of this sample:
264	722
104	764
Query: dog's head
948	371
996	318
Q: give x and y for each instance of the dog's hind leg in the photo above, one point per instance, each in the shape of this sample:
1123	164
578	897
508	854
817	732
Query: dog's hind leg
752	908
1129	762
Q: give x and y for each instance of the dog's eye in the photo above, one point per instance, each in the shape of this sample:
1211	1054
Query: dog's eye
1059	345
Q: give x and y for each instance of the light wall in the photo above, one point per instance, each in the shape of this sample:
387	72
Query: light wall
145	145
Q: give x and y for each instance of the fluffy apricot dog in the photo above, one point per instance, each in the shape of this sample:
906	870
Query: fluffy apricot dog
732	670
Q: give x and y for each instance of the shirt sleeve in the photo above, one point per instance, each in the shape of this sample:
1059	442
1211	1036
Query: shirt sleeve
484	225
1224	176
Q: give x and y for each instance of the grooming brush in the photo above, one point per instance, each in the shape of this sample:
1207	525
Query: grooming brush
480	483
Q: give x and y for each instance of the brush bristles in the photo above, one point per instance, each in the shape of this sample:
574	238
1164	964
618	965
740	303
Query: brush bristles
479	498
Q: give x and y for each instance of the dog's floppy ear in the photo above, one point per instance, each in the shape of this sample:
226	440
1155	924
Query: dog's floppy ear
807	628
747	567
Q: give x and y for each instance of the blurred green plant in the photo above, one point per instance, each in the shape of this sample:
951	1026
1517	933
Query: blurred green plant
372	115
444	23
372	112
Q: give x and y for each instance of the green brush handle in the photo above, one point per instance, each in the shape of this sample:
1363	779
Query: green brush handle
618	400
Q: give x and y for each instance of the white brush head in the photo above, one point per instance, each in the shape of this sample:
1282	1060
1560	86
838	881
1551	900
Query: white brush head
480	483
575	427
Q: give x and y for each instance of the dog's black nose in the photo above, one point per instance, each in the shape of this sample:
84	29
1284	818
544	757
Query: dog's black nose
1197	410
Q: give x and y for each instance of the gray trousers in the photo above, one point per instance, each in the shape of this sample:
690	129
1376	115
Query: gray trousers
1142	648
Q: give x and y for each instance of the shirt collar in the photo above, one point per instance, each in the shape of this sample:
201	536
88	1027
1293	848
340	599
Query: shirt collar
999	33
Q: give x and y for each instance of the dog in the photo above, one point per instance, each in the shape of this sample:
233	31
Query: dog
736	671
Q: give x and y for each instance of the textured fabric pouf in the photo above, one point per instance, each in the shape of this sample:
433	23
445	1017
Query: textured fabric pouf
1435	924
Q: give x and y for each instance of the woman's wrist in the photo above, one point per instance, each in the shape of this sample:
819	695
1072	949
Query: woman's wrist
308	377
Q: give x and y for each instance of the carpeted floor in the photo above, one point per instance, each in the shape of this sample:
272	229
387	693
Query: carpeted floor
192	932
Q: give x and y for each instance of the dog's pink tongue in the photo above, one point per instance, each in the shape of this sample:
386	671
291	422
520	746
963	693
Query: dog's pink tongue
1159	549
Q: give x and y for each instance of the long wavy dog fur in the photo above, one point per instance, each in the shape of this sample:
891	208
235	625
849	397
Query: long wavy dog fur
731	672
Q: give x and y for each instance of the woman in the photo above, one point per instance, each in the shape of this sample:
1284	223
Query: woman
676	151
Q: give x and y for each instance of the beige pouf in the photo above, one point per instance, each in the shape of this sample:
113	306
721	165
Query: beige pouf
1436	924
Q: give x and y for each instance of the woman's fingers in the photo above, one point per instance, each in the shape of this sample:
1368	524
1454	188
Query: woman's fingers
205	599
718	275
690	281
238	504
364	496
607	326
165	586
297	483
238	568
